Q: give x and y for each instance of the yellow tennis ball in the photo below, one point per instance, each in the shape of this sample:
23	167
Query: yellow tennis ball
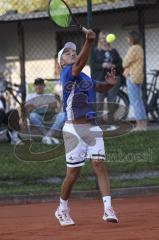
110	38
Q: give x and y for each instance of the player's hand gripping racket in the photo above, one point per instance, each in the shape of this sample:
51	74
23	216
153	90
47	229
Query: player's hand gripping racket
62	16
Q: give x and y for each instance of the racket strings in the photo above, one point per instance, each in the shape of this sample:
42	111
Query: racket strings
60	14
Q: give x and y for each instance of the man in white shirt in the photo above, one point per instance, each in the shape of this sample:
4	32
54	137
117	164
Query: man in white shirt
37	106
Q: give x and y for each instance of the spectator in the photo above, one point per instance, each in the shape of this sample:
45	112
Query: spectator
133	64
105	57
11	120
37	114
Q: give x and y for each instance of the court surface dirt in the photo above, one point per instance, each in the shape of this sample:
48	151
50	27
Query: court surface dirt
139	220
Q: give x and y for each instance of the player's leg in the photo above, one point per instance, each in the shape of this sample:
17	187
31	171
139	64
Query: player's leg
71	176
97	154
104	186
74	159
62	212
102	176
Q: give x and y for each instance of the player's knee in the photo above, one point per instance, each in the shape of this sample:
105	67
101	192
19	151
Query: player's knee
98	165
72	177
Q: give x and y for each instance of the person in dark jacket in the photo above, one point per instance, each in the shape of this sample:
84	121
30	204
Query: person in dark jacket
104	57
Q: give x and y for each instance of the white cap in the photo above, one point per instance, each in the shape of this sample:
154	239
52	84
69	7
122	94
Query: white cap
67	45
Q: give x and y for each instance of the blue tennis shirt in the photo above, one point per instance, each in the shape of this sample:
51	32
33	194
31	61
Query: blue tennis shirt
78	94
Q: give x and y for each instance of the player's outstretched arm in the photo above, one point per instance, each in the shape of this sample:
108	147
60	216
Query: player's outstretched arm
84	54
110	81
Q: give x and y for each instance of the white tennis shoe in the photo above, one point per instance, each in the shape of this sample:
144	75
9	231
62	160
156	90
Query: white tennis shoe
110	216
64	217
50	140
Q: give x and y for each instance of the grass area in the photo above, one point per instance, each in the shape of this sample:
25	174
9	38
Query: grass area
126	154
134	152
135	183
81	185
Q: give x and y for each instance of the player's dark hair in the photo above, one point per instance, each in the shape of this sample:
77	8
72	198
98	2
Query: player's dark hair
135	37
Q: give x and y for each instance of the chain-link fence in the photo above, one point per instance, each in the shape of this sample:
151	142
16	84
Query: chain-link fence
30	43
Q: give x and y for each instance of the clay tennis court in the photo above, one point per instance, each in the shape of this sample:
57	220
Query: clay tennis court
138	221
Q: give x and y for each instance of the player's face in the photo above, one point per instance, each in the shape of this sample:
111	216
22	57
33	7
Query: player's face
39	88
69	56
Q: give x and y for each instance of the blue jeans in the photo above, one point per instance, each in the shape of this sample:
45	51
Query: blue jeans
37	120
135	96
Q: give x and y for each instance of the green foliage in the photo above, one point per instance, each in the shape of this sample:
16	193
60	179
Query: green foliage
22	6
83	3
27	6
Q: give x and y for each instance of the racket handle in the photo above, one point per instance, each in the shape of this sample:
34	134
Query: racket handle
85	30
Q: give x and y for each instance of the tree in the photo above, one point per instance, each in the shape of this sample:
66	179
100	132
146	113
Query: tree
27	6
22	6
81	3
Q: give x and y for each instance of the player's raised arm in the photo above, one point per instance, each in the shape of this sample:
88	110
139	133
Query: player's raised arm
84	53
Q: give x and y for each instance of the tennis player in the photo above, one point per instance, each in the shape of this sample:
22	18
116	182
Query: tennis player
82	137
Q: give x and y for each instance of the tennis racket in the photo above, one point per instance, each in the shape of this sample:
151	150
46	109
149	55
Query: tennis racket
62	16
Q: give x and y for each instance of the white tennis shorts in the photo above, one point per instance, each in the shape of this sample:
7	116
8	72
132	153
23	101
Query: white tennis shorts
82	142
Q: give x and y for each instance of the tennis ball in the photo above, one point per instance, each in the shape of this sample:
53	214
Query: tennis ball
110	38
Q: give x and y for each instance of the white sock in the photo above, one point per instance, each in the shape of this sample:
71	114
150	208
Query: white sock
107	202
63	204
